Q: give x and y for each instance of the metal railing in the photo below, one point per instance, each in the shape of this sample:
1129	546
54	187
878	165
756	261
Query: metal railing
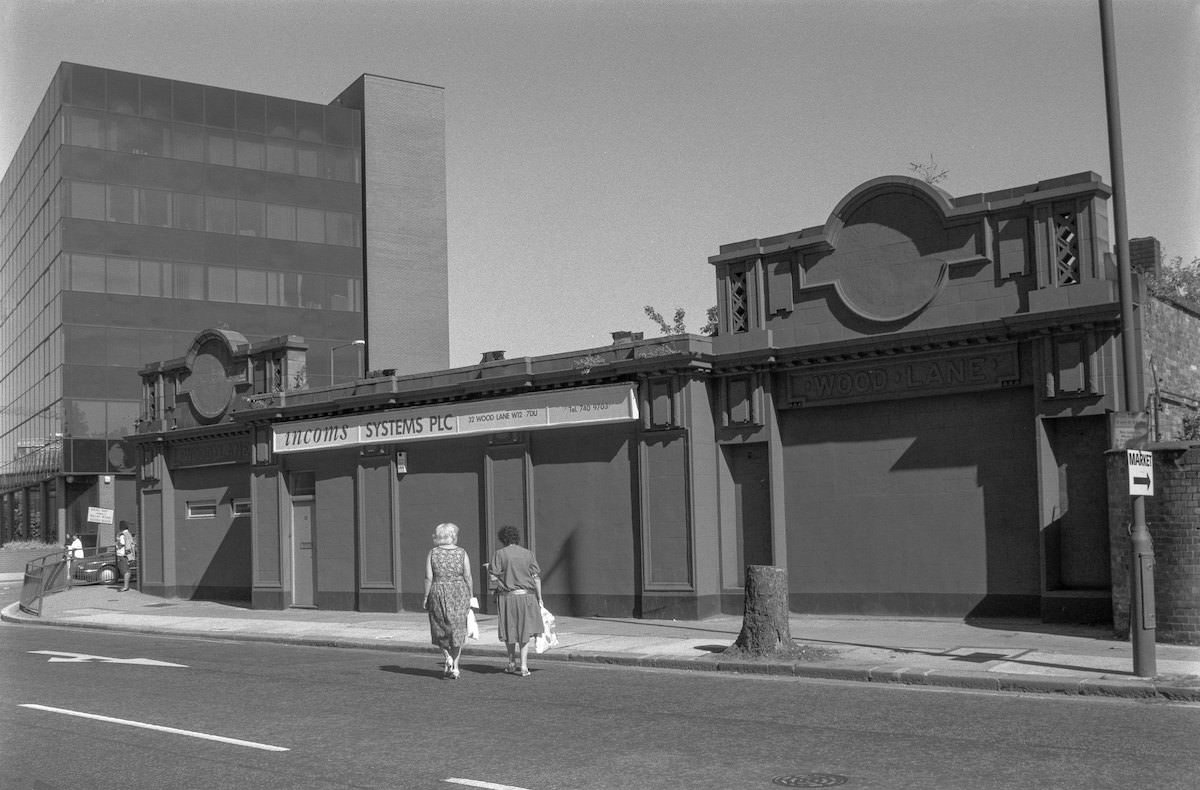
43	576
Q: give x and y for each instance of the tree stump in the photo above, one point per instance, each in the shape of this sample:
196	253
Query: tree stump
765	627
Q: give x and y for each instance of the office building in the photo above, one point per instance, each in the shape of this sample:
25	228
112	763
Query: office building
139	210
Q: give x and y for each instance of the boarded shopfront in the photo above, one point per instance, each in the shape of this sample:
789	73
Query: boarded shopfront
907	407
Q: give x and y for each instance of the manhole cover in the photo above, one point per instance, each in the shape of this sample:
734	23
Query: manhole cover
811	780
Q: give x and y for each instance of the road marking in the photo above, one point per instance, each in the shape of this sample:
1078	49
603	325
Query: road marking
486	785
190	733
83	658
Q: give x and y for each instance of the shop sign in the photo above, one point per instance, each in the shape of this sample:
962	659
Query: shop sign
583	406
951	372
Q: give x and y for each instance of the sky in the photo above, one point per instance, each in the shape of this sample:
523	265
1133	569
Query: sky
598	153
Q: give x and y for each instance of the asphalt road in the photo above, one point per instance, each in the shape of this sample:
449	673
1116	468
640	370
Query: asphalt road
302	717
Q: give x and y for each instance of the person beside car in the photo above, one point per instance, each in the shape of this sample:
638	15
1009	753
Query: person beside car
126	551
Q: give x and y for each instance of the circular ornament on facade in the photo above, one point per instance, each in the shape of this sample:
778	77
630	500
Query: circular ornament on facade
208	383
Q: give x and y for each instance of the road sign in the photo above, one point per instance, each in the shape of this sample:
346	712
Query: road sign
1141	472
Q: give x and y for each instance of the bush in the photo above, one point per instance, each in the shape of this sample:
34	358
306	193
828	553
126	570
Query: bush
29	545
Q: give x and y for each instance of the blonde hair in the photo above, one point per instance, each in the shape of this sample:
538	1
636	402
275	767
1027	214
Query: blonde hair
445	534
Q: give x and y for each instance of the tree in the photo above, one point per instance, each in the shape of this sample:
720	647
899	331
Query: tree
677	326
929	172
1177	280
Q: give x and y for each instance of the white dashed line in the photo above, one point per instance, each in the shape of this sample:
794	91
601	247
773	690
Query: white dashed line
174	731
485	785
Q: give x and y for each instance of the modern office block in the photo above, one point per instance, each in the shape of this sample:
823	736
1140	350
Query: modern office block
139	210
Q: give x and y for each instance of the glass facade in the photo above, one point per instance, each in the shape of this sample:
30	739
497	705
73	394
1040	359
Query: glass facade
136	212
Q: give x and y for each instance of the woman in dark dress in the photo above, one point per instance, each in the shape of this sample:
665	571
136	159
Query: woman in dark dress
519	598
448	595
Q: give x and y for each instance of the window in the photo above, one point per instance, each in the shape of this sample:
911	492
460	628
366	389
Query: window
340	229
251	286
240	507
188	143
251	219
122	276
189	281
280	157
220	149
122	205
281	222
220	213
189	211
87	201
87	130
87	273
151	283
155	207
222	284
308	161
250	153
310	225
202	508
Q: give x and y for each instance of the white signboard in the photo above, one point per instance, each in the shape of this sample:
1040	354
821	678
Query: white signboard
584	406
100	515
1141	472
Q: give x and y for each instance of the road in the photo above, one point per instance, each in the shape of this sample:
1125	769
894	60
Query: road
304	717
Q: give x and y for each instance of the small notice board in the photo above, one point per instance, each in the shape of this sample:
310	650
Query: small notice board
1141	472
100	515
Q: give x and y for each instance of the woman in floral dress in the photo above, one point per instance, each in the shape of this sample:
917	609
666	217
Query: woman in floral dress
448	595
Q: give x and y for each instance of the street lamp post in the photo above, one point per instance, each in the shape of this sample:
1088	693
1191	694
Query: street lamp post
332	376
1141	610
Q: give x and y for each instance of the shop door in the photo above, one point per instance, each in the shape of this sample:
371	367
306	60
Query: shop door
752	505
302	552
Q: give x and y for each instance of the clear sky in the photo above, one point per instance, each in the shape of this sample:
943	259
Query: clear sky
599	152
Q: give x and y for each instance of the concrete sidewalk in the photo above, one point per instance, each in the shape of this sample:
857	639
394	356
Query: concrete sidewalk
995	655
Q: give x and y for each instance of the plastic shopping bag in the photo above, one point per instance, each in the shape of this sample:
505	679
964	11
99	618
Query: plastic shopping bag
472	623
548	638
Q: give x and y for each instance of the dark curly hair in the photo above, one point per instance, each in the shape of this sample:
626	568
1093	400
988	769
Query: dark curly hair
510	536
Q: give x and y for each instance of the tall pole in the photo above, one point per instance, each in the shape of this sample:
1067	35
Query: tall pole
1141	578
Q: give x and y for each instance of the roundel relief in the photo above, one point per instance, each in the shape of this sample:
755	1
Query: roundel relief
208	383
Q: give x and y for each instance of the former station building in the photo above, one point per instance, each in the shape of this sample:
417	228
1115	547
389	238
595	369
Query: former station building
139	210
908	407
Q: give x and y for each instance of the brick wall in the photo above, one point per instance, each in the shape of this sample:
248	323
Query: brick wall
1173	518
1171	346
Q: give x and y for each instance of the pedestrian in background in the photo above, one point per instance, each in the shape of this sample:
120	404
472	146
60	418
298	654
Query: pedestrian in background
518	598
126	552
74	552
448	588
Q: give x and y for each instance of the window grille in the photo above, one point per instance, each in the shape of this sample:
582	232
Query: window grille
1066	248
739	312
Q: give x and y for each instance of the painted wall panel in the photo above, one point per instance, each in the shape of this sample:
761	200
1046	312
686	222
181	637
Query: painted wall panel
584	512
666	528
212	555
890	504
378	548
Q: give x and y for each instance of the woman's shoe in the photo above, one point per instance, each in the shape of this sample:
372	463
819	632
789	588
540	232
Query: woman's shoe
524	673
511	669
454	674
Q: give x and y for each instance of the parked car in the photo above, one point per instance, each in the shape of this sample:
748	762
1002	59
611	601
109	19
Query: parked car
101	567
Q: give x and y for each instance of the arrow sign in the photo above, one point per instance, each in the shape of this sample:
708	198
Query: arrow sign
57	656
1141	472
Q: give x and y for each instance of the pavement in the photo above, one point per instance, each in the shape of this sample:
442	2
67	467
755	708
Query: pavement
1021	656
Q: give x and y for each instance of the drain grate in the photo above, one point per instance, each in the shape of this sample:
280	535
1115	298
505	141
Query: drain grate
811	780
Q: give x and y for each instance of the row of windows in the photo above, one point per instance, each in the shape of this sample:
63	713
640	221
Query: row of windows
156	97
141	277
196	144
207	508
185	211
101	418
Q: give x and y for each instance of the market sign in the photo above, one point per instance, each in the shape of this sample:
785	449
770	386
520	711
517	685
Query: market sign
583	406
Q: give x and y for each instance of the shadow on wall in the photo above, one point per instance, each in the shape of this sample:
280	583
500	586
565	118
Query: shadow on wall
229	574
